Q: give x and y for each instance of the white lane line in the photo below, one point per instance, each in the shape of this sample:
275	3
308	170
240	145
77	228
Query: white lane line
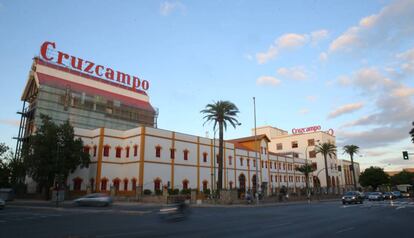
279	225
345	230
398	208
2	221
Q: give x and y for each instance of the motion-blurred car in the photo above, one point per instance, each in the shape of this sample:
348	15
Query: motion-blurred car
94	199
389	196
375	196
397	194
405	194
2	203
352	197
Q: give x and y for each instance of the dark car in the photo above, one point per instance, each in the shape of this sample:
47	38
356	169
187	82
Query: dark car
375	196
352	197
397	194
389	196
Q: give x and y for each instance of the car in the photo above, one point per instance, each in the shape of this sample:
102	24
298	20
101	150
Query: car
397	194
389	196
375	196
365	195
2	203
352	197
405	194
94	199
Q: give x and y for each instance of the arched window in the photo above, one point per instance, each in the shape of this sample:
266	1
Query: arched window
94	150
205	157
230	159
106	150
77	184
172	153
86	149
241	161
185	154
135	150
125	184
116	184
157	184
118	152
185	184
104	183
134	184
205	184
127	152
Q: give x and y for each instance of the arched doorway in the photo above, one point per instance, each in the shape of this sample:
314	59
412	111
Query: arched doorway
157	184
242	183
185	184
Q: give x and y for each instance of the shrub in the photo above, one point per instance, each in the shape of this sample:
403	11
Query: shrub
173	191
147	192
207	191
186	191
158	192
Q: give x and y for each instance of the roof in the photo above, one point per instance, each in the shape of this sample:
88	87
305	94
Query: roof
249	138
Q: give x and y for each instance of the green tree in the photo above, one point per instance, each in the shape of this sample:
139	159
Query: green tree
52	153
12	170
351	150
374	177
221	113
326	149
306	169
403	177
412	133
4	168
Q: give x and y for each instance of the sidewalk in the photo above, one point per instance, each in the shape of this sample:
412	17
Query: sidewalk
265	204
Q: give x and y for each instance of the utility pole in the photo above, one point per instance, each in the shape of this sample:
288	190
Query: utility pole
255	151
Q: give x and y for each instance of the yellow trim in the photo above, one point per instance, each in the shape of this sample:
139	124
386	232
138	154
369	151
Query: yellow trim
198	164
224	161
269	182
172	160
141	160
248	170
235	169
212	165
99	164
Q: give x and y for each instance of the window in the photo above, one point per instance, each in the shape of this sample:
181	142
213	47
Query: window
270	164
266	164
77	184
261	162
158	151
241	161
86	149
284	166
94	150
125	184
185	184
118	152
134	184
205	157
185	155
312	154
106	150
157	184
271	178
314	166
248	162
116	184
205	183
135	150
230	159
127	152
294	144
295	155
104	182
279	165
311	142
279	146
172	153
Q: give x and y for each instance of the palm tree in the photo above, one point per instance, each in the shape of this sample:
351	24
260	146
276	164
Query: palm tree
306	169
412	133
221	113
327	149
351	150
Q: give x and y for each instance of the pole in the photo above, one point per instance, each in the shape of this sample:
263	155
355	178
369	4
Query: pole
307	177
255	151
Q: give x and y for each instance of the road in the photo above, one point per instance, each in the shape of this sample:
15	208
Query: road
325	219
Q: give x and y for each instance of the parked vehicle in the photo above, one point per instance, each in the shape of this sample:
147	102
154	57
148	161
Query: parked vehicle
389	196
94	199
397	194
2	203
352	197
365	195
405	194
375	196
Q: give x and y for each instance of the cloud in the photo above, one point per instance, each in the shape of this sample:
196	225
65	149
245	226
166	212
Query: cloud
268	80
370	80
296	73
290	41
348	108
388	28
344	80
311	98
304	111
323	56
407	62
10	122
166	8
403	92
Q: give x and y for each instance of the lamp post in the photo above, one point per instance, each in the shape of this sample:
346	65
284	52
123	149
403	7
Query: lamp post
255	151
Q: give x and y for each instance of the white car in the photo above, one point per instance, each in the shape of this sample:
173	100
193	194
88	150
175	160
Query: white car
375	196
2	203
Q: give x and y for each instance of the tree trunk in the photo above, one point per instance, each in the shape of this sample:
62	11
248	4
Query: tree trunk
326	173
307	184
353	171
220	158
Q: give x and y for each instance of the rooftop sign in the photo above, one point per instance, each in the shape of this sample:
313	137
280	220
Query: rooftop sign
60	58
305	130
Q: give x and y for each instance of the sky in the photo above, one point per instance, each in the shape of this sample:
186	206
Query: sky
345	65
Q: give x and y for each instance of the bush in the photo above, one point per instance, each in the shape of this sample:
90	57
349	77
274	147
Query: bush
147	192
186	191
158	192
173	191
207	191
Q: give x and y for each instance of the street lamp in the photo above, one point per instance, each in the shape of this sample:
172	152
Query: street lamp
255	145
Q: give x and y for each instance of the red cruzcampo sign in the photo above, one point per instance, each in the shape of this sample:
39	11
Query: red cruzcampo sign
305	130
88	67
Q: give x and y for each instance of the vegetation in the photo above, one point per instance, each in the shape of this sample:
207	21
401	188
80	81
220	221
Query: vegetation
12	170
326	149
185	191
412	133
221	113
403	177
147	192
52	154
374	177
306	169
351	150
175	191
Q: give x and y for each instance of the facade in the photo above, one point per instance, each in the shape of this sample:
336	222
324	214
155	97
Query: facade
301	143
149	158
346	177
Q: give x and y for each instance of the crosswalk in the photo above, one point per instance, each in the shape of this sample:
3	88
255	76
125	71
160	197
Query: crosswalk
397	204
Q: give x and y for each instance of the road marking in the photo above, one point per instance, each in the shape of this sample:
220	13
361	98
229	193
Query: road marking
345	230
401	207
126	234
279	225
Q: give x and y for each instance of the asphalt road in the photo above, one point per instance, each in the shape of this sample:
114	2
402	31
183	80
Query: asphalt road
325	219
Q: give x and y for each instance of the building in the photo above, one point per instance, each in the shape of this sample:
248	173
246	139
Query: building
89	95
301	143
346	177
